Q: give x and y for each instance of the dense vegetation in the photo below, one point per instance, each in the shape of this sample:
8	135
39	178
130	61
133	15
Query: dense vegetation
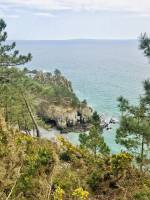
34	168
21	93
38	169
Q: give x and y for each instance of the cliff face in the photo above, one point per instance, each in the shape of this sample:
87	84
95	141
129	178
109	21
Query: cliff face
64	117
61	107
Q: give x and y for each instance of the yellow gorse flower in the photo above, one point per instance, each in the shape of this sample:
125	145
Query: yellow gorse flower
24	139
81	194
58	194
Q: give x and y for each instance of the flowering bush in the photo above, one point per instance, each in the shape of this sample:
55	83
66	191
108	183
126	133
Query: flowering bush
121	161
80	194
58	194
24	139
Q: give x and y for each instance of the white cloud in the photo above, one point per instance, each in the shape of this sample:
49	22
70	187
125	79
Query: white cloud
139	6
44	14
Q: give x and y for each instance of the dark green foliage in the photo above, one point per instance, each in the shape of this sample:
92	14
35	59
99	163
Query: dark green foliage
94	141
62	95
134	129
57	72
56	89
44	156
12	84
8	55
95	180
84	102
145	44
14	91
146	96
123	104
65	156
96	118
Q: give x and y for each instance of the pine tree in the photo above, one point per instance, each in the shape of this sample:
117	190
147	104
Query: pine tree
94	141
14	99
9	79
134	130
145	44
8	55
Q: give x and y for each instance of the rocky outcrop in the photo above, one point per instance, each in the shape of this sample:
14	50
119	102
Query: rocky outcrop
64	117
58	105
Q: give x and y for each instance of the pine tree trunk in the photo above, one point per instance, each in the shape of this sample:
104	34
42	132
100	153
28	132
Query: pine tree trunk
142	153
6	113
19	125
95	151
32	116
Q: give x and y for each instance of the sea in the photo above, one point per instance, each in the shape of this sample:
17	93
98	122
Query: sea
100	72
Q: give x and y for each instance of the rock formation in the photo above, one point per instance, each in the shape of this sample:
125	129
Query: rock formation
64	117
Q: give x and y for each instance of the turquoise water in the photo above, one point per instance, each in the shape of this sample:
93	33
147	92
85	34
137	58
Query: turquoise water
100	71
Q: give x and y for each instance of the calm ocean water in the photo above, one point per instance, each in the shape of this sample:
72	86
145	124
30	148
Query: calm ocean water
100	70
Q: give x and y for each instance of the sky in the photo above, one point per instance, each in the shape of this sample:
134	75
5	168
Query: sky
75	19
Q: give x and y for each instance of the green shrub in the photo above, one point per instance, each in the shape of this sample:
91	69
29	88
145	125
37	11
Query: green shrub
120	162
142	195
67	179
44	156
95	180
65	156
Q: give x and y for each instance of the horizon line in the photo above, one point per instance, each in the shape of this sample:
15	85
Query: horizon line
74	39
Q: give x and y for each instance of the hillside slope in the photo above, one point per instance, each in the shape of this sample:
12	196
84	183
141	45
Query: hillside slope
50	97
37	169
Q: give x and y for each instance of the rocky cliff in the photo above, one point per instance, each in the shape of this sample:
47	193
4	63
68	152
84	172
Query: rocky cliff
58	105
65	117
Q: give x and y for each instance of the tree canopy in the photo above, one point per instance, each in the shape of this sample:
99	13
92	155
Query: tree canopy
134	130
9	56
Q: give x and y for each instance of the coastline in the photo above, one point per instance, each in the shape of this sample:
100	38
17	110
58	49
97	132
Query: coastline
72	133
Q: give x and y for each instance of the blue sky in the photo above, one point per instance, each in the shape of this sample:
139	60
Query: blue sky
70	19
